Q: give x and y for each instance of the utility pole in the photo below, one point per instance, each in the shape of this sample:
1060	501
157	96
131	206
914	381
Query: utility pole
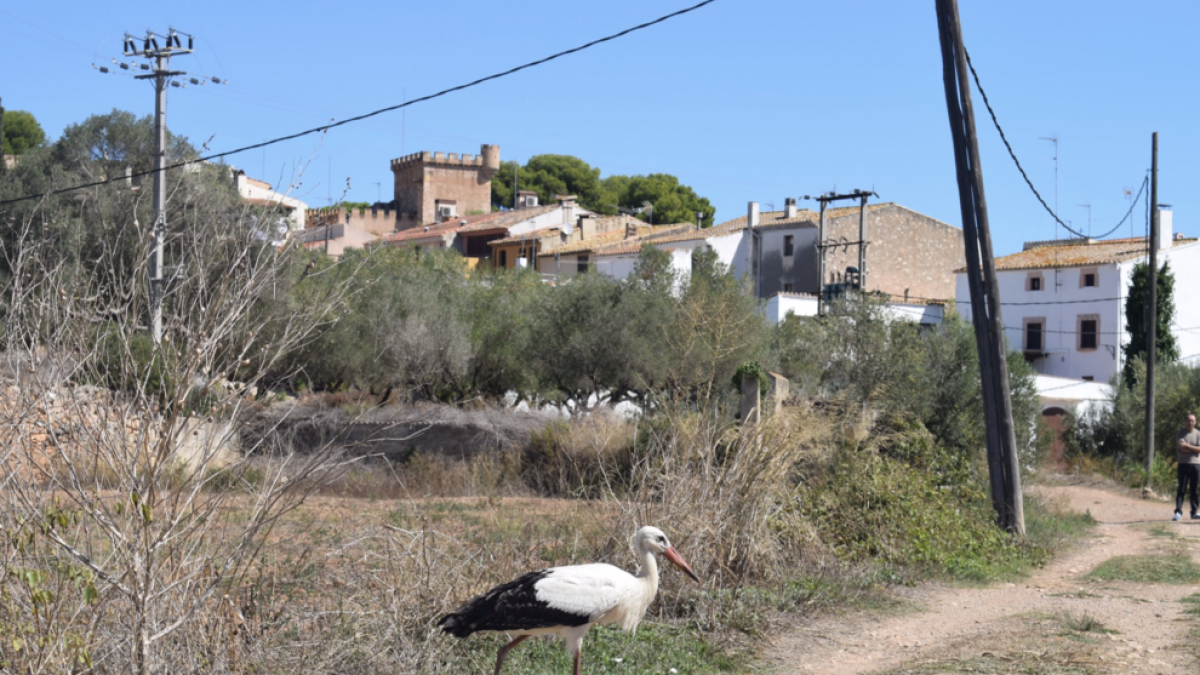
1003	463
1152	306
161	75
3	160
824	199
862	243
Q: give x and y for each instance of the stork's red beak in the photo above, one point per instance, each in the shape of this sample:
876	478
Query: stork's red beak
672	555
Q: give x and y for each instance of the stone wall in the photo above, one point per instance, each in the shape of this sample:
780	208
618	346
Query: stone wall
909	253
423	178
394	432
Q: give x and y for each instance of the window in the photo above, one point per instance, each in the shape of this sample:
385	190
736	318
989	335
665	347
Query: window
1035	281
1035	284
789	243
1089	332
503	259
581	264
789	288
1034	329
1089	277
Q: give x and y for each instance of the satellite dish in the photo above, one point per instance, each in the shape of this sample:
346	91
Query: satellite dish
568	227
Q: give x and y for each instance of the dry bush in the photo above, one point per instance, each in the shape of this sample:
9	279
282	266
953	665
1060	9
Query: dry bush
581	457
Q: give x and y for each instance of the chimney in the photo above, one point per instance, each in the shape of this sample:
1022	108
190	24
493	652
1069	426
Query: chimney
567	202
752	214
1165	230
789	207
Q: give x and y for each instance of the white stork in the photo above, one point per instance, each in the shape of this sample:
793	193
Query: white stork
567	601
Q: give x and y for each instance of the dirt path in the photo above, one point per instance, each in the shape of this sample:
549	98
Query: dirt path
1022	625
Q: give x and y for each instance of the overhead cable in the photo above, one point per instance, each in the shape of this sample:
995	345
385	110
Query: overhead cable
1024	175
331	125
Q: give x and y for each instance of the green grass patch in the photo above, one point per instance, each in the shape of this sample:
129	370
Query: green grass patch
1172	568
655	648
882	511
1084	623
1191	604
1162	531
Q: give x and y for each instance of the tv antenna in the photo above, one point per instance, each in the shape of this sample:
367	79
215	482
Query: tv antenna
1054	140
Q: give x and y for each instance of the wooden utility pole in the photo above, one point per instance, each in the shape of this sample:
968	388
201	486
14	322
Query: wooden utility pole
1003	463
1152	306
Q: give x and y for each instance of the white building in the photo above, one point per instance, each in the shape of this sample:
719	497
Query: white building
1063	302
272	207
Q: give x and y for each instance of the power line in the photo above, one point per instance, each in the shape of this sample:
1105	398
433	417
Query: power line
331	125
1024	175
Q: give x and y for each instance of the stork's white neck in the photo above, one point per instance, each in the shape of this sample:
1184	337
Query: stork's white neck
649	567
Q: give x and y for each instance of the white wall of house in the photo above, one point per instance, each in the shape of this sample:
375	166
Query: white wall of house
1185	264
1059	305
780	305
1063	302
290	209
733	250
1073	395
924	314
553	218
616	266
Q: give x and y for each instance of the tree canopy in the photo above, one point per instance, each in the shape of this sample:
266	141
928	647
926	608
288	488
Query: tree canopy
552	175
22	132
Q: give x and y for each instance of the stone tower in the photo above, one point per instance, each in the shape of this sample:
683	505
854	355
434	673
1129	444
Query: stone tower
435	186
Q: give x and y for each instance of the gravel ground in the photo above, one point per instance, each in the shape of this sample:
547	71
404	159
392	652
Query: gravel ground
1027	627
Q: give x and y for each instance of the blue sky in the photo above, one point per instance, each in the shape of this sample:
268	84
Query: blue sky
743	99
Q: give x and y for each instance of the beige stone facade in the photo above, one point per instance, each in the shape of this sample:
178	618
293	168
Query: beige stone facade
910	255
434	186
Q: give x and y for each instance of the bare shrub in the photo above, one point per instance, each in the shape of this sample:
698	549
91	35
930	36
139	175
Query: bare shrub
117	478
582	456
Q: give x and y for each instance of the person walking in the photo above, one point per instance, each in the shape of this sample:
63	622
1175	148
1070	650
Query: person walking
1188	471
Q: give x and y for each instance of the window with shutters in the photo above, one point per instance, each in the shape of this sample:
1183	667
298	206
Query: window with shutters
1035	339
1088	332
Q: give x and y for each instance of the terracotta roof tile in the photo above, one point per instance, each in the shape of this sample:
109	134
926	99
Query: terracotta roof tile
422	232
1076	253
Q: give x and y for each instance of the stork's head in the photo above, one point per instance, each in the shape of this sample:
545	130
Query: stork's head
652	539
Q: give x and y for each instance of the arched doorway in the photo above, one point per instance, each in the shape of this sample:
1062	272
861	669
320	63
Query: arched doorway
1055	418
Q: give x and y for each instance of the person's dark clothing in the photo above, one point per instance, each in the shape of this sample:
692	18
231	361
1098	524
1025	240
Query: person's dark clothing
1189	479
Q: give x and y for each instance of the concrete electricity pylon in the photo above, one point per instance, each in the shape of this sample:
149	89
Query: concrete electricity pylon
161	74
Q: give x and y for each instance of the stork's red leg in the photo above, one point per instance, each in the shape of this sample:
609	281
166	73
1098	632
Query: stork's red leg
508	647
578	658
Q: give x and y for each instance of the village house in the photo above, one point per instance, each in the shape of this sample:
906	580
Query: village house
608	244
278	214
333	239
430	188
473	236
1063	302
911	257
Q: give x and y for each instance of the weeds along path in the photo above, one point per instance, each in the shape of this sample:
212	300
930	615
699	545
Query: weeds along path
1060	620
